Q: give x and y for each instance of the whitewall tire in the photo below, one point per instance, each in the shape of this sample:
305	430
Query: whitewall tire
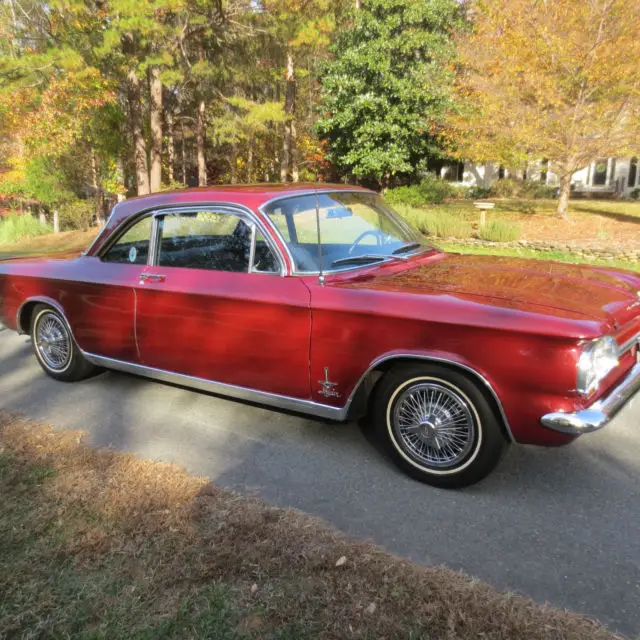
437	425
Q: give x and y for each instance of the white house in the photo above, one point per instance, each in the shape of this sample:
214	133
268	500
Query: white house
606	176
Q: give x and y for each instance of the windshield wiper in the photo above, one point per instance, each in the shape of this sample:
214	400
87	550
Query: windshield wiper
410	246
367	257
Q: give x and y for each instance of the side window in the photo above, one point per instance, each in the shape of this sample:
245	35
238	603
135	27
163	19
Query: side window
133	246
264	260
205	240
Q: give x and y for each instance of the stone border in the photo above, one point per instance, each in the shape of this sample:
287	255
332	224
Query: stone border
611	253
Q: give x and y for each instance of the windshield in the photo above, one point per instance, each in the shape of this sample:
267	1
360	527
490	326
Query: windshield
355	229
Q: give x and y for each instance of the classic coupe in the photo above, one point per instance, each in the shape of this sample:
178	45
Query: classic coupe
322	300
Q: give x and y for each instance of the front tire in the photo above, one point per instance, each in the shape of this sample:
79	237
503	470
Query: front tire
437	425
55	348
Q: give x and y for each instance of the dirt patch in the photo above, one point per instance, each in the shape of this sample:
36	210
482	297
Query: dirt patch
594	231
99	544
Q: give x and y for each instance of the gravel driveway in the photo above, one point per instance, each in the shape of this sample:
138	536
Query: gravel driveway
560	525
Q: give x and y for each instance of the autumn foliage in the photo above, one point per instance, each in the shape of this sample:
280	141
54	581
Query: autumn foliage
553	79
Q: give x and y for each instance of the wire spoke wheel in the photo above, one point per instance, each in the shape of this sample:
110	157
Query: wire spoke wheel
434	425
53	341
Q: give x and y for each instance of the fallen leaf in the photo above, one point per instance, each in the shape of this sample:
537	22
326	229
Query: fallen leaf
341	561
371	608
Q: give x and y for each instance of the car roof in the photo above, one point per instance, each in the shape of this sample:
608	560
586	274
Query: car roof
252	196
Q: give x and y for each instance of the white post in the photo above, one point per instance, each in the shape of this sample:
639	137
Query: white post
42	218
56	222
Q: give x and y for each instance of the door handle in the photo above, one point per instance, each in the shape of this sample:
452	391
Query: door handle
151	277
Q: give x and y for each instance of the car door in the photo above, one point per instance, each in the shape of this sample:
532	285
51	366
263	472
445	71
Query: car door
215	305
101	304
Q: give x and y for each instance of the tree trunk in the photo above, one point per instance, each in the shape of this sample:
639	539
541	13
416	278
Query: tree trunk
200	133
250	161
97	188
487	179
233	177
289	126
565	193
295	174
139	147
183	153
155	118
171	147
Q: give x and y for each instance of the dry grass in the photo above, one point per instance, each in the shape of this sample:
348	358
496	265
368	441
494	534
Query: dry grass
592	223
98	544
50	243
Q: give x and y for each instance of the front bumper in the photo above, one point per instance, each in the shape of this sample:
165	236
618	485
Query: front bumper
598	414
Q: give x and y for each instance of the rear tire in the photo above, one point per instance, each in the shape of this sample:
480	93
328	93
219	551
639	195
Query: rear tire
437	425
55	348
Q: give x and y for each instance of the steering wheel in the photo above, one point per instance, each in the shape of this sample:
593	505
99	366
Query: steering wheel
379	235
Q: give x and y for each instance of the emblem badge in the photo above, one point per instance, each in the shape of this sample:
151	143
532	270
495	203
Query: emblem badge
328	388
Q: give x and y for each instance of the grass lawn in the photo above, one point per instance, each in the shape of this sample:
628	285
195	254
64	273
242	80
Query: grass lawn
518	252
49	243
97	544
594	223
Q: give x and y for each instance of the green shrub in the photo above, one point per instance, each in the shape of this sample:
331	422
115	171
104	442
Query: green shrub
436	222
77	214
408	196
431	190
478	193
15	227
434	190
499	231
511	188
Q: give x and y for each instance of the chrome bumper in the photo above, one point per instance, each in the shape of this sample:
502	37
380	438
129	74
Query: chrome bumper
600	413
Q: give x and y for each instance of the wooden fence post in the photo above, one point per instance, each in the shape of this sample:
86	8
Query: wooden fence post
56	222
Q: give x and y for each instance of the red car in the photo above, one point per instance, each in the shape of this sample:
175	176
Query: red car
322	300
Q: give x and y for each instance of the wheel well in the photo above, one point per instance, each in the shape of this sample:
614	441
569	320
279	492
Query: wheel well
363	397
26	312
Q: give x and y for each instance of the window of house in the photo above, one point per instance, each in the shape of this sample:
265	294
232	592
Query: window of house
633	172
133	245
544	171
600	173
453	172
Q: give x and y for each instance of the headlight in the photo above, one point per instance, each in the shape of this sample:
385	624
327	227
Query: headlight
597	360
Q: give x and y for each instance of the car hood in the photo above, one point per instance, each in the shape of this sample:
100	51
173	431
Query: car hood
596	293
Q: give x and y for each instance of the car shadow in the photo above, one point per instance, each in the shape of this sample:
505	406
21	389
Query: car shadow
612	215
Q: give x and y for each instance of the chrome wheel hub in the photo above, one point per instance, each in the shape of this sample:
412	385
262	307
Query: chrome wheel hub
434	424
53	342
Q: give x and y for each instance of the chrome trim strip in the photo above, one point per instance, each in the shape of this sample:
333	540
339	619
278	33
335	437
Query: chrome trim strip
414	356
600	413
240	393
154	240
252	248
622	349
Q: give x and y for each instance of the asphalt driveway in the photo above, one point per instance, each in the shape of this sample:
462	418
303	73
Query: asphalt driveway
559	525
